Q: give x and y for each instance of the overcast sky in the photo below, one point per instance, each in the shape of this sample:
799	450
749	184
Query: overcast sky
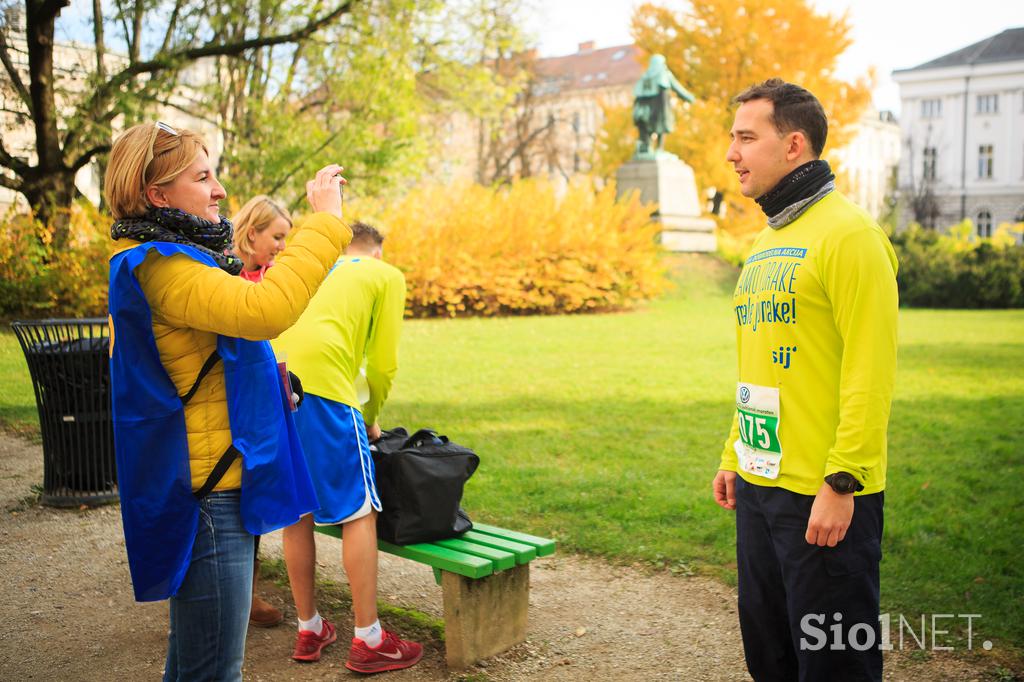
887	34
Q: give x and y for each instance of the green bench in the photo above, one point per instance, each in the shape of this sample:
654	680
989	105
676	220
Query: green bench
485	577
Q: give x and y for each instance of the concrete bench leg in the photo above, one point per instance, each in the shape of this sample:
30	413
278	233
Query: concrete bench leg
486	616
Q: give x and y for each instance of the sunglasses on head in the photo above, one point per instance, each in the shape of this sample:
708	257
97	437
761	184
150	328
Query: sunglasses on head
160	125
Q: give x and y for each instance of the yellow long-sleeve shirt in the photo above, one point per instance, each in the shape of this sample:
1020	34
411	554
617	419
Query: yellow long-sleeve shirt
816	309
356	313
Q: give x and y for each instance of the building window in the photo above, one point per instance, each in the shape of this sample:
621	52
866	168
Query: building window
931	108
984	223
930	163
985	162
988	104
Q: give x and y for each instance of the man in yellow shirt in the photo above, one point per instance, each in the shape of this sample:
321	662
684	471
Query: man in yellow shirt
355	315
804	466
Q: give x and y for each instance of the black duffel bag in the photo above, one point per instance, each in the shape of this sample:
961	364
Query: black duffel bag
420	480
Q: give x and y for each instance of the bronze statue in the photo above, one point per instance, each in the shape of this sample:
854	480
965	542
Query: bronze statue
652	105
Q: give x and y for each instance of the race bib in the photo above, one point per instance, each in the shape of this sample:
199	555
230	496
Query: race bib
758	449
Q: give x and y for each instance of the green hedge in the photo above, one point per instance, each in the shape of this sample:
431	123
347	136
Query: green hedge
955	271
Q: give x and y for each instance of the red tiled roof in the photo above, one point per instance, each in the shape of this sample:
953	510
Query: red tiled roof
619	65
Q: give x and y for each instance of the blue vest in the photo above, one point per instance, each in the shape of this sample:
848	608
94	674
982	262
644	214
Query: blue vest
159	512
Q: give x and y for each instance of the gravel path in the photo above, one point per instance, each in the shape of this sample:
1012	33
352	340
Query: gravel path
67	612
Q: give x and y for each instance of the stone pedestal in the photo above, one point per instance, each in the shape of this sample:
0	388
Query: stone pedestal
665	180
486	616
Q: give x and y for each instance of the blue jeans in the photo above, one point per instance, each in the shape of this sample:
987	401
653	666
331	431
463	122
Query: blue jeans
210	613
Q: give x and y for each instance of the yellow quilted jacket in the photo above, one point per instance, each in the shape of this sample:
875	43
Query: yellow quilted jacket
192	303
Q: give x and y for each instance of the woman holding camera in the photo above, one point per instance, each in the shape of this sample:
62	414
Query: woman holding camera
206	449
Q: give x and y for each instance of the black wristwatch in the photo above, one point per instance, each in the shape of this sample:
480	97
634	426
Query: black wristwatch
844	483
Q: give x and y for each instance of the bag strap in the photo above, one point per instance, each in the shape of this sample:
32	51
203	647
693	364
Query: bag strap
225	461
210	363
218	472
423	434
396	432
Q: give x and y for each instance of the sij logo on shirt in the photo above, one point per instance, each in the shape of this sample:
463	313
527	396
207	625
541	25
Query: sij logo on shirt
783	356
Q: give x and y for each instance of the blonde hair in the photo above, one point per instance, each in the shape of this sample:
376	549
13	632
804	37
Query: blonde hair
129	174
256	216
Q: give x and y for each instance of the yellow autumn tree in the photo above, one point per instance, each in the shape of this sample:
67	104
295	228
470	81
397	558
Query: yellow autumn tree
717	48
616	140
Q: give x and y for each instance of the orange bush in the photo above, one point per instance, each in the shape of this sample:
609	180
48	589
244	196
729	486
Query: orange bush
522	249
38	280
465	250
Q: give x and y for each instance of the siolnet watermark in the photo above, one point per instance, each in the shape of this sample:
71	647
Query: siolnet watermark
894	632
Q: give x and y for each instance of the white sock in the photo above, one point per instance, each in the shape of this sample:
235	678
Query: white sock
371	634
314	624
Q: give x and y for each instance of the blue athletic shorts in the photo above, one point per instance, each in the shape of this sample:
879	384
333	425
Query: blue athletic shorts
337	451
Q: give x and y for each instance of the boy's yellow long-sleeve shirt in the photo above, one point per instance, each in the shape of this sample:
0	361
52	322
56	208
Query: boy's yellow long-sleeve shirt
816	310
357	313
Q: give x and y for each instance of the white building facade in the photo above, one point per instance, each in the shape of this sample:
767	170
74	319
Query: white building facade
962	124
870	159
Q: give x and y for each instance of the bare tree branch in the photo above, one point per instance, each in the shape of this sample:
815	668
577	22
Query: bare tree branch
71	137
12	71
293	67
12	162
167	61
10	183
140	10
171	25
522	147
88	155
53	7
287	176
124	25
193	112
98	40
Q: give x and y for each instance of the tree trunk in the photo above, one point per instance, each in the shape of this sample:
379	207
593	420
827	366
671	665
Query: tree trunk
51	196
50	188
101	75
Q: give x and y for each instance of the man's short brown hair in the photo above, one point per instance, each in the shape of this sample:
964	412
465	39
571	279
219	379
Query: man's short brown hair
794	108
366	236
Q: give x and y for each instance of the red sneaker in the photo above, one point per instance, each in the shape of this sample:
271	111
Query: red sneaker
308	644
392	654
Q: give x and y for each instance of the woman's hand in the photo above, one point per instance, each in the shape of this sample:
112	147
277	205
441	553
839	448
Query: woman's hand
324	191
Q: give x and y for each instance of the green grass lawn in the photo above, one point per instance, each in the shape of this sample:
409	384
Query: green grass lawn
17	400
605	431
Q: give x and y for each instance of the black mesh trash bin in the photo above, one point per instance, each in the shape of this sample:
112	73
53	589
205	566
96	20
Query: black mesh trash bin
69	363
